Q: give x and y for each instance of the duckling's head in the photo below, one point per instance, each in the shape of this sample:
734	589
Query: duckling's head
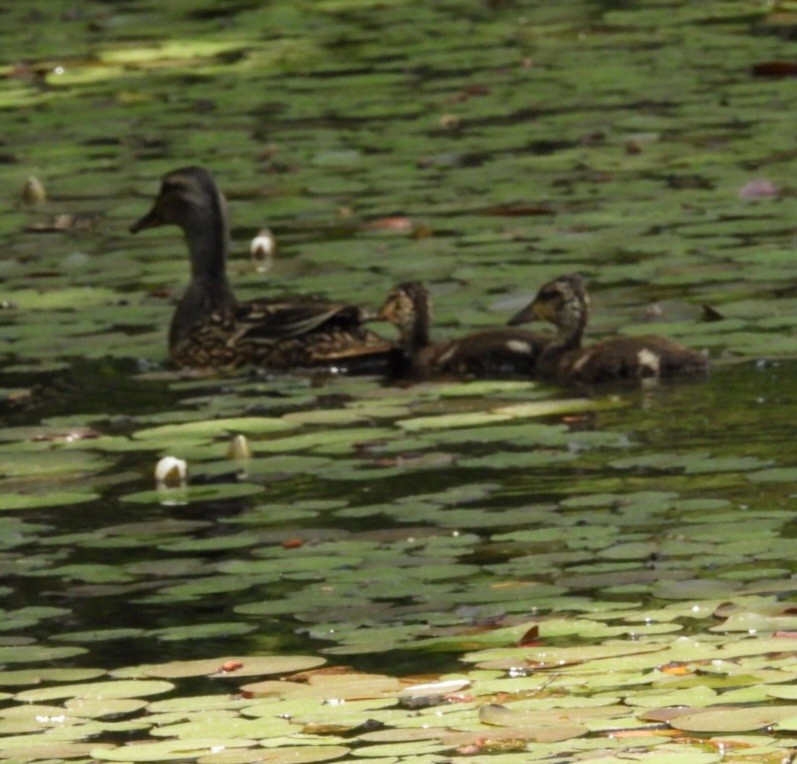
562	302
188	198
407	308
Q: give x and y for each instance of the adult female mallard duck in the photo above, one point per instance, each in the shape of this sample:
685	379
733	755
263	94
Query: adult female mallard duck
488	353
564	303
210	328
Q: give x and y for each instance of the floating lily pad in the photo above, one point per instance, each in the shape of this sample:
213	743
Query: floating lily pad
37	653
97	708
203	631
739	719
213	428
445	421
37	676
169	750
98	635
304	754
234	726
232	668
97	690
31	299
16	501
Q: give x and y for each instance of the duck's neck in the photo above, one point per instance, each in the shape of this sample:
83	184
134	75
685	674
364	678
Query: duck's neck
207	235
570	330
414	335
209	290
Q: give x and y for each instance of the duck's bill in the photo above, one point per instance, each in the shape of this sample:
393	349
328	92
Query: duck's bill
386	313
151	220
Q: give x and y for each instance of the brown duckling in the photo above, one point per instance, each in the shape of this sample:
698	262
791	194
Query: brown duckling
564	303
211	329
485	354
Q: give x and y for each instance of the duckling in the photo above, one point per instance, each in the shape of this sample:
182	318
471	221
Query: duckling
211	329
564	303
485	354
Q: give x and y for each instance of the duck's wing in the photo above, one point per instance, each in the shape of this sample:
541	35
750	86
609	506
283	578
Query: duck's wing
282	336
283	320
312	333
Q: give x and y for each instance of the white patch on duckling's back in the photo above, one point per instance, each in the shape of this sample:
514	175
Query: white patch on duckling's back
447	356
582	361
649	363
521	347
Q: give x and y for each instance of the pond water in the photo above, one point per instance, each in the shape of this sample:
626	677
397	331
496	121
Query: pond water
603	573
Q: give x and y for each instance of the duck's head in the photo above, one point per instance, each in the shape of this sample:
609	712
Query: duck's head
407	308
405	304
188	198
562	302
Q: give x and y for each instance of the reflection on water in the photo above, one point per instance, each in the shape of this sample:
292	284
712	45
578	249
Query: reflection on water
406	533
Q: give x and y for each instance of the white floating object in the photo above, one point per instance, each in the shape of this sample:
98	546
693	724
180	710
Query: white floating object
171	471
262	249
445	687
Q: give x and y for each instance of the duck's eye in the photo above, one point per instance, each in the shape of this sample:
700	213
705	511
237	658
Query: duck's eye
171	186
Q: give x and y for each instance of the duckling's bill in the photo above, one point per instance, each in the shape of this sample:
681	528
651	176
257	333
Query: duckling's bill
534	311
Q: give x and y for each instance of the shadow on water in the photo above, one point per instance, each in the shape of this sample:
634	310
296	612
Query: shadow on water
108	387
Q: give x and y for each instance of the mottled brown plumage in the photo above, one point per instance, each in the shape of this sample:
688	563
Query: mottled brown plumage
210	328
564	303
484	354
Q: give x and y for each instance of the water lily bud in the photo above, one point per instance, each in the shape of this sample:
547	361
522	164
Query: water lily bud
239	448
33	191
171	471
262	249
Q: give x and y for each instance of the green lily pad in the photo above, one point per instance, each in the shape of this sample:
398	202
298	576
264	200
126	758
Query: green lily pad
114	689
445	421
231	667
303	754
203	631
16	501
169	750
37	676
739	719
37	653
97	708
213	428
